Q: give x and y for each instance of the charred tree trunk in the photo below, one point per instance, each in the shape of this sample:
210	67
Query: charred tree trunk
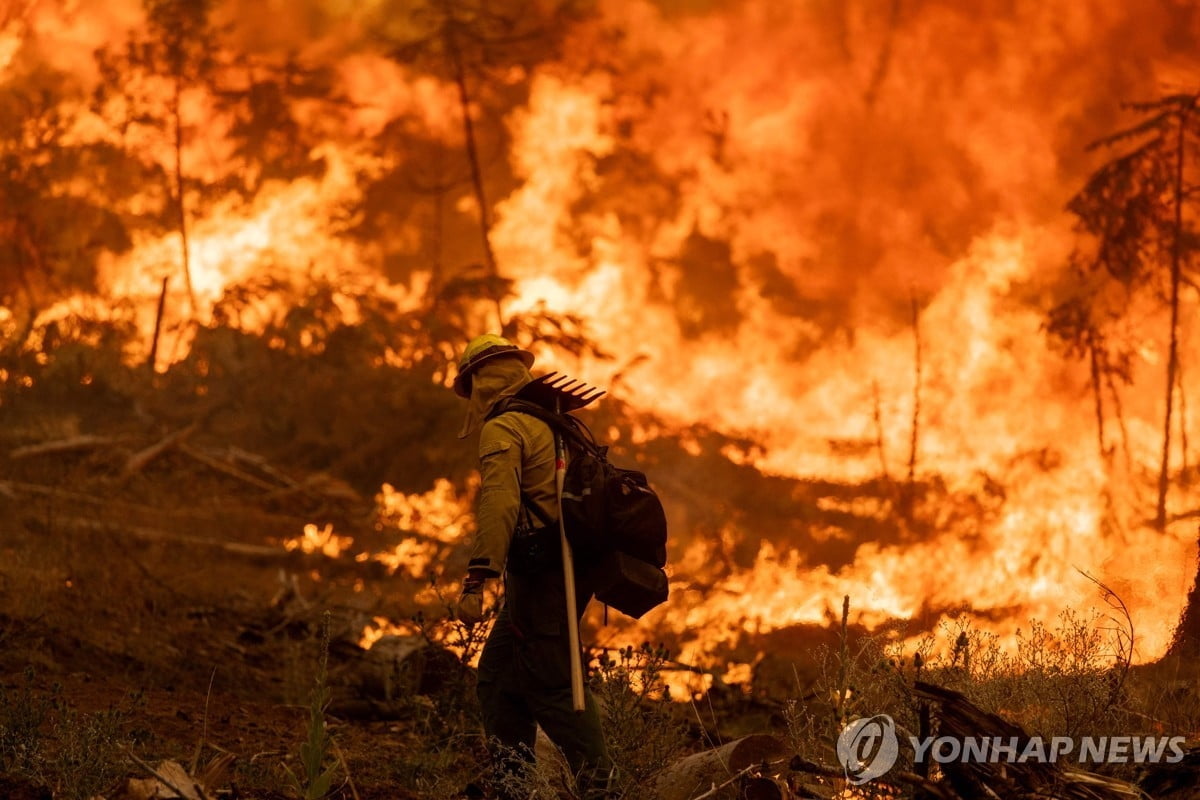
1099	401
1183	423
180	209
914	439
437	244
464	102
878	417
152	359
1173	347
916	417
1120	412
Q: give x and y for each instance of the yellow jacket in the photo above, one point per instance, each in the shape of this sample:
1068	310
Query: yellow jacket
516	452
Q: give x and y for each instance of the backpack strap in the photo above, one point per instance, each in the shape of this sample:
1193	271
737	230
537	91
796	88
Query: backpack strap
571	427
565	424
533	507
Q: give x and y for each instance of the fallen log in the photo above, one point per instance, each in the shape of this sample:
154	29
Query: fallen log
699	774
85	442
555	773
749	787
215	463
959	718
138	461
156	535
552	766
321	486
761	789
14	489
256	461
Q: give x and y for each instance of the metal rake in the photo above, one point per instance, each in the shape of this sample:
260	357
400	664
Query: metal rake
555	390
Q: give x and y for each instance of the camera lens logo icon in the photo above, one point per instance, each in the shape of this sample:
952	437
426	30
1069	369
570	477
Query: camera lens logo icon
867	748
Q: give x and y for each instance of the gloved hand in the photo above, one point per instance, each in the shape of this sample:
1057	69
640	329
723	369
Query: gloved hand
469	610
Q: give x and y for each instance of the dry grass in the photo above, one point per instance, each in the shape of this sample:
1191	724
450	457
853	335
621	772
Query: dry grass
1070	679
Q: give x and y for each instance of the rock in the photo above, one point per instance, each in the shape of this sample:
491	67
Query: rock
701	771
171	772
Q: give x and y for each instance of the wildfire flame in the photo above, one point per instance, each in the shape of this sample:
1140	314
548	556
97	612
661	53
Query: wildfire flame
319	540
762	209
426	520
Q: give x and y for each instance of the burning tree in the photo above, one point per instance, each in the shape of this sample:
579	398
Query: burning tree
176	90
175	51
479	48
1138	218
51	229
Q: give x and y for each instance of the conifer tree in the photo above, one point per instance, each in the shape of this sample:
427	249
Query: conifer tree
1137	218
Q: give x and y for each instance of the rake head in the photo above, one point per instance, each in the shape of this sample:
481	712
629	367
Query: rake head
559	391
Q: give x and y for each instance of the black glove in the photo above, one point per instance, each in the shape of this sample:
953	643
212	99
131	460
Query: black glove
469	610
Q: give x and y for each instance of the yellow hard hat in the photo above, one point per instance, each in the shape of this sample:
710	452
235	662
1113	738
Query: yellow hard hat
479	350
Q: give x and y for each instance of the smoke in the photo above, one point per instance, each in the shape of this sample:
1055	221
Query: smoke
863	146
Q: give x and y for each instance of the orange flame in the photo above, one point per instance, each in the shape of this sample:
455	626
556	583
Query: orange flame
319	540
744	211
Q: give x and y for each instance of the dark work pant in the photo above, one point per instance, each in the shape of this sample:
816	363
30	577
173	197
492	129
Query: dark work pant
524	681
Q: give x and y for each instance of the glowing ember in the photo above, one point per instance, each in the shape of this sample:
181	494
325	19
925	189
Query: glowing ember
381	627
437	514
319	540
437	517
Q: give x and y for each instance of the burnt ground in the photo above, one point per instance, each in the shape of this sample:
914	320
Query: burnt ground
157	613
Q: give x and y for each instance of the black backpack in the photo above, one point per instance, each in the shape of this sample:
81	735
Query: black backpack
613	519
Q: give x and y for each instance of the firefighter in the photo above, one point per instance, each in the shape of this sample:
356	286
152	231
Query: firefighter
525	666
